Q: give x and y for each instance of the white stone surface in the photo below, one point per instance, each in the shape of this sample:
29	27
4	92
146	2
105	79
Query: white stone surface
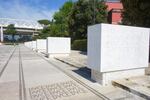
117	51
41	45
28	44
58	46
34	45
117	47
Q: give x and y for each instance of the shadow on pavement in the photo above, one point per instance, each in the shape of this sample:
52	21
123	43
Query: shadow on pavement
82	52
84	72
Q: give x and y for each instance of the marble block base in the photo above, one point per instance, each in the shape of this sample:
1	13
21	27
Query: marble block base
147	71
105	78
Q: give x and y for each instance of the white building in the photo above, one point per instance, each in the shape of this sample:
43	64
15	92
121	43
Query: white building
24	28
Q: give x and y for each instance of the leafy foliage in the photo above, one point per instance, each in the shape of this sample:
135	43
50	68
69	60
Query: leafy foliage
72	20
46	32
44	22
61	19
136	12
80	45
83	14
11	30
59	26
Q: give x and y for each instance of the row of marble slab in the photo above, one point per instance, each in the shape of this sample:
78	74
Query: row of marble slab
52	46
114	51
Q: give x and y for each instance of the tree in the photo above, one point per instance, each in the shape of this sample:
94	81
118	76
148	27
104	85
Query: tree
11	30
58	27
85	13
45	31
61	19
136	12
43	34
44	22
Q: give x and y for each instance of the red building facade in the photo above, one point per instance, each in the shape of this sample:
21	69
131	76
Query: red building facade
114	11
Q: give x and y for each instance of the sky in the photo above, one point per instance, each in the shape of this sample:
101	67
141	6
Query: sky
29	9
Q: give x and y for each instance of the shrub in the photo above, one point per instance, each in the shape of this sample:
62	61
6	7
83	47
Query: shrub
80	45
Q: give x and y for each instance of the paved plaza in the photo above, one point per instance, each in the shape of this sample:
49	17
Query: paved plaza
27	75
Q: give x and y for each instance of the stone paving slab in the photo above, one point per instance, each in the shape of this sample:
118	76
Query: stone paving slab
111	92
11	71
5	52
9	80
76	58
9	90
43	81
138	85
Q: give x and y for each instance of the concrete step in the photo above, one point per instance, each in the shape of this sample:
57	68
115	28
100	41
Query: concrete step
137	85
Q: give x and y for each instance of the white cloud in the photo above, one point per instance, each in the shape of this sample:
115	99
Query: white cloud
19	11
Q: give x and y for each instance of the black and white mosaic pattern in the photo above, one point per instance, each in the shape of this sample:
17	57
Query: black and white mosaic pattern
56	91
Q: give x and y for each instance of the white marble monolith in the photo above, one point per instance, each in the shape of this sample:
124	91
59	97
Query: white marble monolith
41	45
117	51
28	44
58	46
33	45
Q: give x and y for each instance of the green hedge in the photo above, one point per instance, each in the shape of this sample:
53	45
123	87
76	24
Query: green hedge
80	45
10	43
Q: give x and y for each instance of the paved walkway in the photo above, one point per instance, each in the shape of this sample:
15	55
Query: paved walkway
28	76
9	74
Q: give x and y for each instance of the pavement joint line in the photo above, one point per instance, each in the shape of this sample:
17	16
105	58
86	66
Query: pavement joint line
30	94
131	90
72	65
74	78
3	69
22	89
